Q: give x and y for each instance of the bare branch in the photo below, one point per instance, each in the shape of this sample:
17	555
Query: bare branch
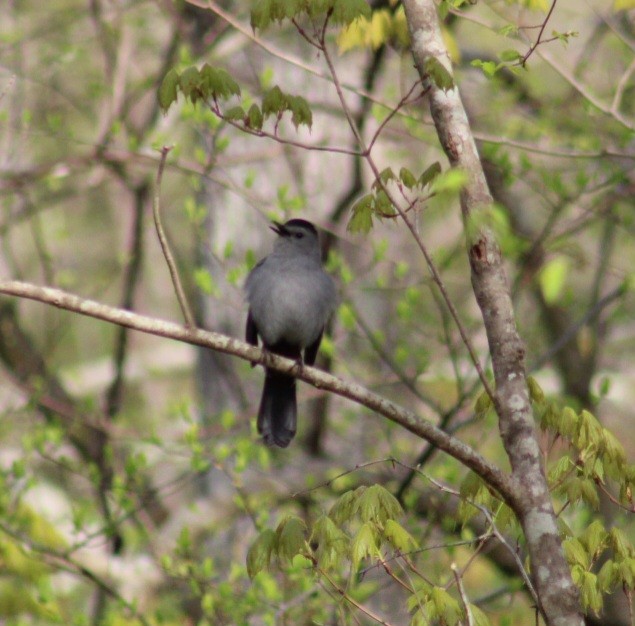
165	246
538	41
490	473
462	594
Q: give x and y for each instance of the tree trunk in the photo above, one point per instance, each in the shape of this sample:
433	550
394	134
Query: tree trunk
532	503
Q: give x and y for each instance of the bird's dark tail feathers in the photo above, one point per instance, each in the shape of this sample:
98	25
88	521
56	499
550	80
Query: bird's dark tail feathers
277	416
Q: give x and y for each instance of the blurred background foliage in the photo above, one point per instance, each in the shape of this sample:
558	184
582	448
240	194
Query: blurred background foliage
133	486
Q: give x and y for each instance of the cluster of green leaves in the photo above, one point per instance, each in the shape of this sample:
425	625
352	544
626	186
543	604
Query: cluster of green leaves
341	12
361	529
596	459
382	27
432	604
359	523
197	85
596	545
25	586
212	84
377	203
475	493
213	586
274	103
597	456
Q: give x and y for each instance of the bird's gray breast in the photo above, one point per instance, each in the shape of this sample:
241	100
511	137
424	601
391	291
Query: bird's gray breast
289	301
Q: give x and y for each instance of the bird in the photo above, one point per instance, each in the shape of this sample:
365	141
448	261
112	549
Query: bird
291	299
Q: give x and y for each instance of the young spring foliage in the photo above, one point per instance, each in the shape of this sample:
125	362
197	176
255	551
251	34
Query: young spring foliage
211	85
377	203
197	85
357	526
340	12
595	460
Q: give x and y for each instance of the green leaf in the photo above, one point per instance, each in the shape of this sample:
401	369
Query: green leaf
168	90
266	11
594	538
217	83
346	505
273	102
328	542
346	11
361	220
382	205
483	403
407	177
536	393
489	68
235	114
254	117
575	553
301	112
590	594
384	177
552	278
189	82
608	576
623	5
589	431
429	174
450	181
567	422
364	544
439	74
446	607
627	573
399	537
290	537
510	55
377	504
620	543
479	617
259	555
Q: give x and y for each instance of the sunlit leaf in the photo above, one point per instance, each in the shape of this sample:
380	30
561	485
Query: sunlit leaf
553	277
259	554
439	74
168	90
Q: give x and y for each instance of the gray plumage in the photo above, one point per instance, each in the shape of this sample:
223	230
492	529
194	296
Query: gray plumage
290	298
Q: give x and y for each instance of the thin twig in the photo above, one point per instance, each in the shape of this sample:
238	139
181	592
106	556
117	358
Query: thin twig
411	227
165	246
466	603
621	88
402	103
255	132
360	607
523	61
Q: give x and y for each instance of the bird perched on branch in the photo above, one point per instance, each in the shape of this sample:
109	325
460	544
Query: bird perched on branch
290	298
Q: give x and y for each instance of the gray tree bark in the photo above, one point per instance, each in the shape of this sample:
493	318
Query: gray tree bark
531	499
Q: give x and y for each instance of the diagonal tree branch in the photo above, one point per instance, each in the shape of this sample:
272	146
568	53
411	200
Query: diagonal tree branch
532	503
494	476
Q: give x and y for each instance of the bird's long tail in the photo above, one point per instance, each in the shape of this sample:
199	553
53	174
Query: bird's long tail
277	416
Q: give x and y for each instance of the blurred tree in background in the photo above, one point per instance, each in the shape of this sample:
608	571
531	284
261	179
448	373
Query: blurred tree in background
133	487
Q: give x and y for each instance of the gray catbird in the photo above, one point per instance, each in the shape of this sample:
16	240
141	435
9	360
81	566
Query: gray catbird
290	300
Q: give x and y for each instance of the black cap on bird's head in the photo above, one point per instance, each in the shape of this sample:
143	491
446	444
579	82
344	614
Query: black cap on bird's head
293	227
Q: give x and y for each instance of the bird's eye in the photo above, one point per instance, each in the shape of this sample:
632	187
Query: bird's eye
298	235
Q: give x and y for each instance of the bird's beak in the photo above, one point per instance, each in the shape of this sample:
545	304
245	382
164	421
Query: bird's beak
279	229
